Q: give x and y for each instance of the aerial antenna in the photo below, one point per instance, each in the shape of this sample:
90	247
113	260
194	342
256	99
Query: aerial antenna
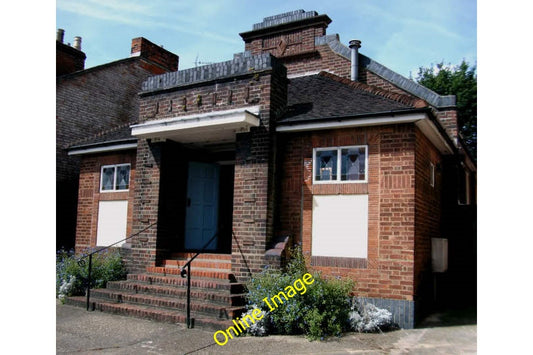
197	62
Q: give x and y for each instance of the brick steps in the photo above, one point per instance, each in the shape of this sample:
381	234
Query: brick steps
196	282
148	312
161	293
199	307
212	295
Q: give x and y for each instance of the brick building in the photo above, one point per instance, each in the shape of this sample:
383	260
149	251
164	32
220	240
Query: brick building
299	139
91	101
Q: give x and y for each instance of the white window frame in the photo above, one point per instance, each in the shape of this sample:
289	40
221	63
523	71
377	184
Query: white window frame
339	160
114	166
431	174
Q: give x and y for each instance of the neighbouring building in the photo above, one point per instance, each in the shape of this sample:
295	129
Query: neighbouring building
299	139
89	102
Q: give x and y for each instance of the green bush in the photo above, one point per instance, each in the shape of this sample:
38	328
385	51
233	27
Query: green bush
323	310
71	275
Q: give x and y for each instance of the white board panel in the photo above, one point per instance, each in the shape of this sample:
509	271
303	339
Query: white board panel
340	226
112	222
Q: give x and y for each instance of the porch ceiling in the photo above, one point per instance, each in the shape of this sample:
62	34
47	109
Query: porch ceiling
206	128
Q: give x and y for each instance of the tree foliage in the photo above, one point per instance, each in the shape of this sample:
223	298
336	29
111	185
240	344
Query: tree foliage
461	81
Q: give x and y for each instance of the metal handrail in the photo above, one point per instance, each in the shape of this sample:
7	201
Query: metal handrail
81	262
188	273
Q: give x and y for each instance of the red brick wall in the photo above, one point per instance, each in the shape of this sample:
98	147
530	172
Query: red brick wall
68	59
448	119
428	210
89	195
145	206
370	78
391	182
167	61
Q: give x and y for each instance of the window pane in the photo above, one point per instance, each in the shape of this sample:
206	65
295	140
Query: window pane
353	164
123	177
326	165
107	178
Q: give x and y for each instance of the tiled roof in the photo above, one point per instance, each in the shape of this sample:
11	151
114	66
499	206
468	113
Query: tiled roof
117	134
313	97
326	95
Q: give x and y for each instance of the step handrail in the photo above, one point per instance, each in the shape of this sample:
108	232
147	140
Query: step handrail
187	272
81	260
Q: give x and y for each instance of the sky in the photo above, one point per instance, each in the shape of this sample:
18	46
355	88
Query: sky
402	35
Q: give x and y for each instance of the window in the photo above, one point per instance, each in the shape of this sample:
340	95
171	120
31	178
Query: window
115	177
340	164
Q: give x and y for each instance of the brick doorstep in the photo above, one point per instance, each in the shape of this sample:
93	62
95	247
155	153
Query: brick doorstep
195	271
203	257
199	263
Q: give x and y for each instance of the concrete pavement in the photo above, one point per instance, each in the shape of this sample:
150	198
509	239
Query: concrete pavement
82	332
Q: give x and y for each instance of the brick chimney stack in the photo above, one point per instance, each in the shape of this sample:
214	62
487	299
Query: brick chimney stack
141	47
68	59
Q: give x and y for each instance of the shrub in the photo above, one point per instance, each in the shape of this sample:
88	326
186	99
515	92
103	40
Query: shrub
321	311
367	318
71	275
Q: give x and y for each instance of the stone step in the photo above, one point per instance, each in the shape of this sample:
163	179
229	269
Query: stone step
210	295
196	282
198	307
148	312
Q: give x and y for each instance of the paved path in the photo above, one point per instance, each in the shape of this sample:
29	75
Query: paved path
82	332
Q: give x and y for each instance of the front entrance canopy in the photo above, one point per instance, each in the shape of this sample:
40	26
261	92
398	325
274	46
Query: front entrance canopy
205	128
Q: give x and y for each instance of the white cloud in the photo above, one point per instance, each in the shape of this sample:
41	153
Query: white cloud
156	15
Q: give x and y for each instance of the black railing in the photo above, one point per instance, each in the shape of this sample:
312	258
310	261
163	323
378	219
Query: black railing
188	273
81	260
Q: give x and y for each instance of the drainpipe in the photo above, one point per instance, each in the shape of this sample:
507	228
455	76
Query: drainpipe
354	45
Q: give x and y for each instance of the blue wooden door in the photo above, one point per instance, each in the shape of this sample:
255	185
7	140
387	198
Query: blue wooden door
201	219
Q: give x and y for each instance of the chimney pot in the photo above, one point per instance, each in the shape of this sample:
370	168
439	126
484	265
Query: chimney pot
60	35
77	43
354	45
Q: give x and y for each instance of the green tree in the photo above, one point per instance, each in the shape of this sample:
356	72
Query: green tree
461	81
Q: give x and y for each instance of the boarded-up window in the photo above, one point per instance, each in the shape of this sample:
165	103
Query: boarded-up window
340	226
112	222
